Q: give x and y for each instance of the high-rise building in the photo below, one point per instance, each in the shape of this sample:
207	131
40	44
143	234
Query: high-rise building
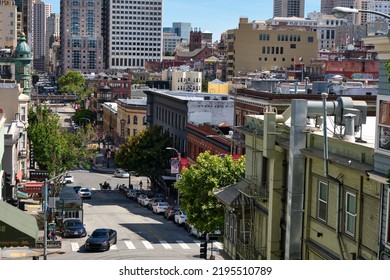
41	12
133	33
8	25
328	5
182	29
25	18
52	35
81	36
289	8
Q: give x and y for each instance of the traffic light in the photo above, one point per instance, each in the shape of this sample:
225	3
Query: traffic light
203	250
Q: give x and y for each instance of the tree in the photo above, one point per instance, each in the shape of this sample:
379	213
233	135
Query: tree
73	82
145	153
199	181
83	116
56	150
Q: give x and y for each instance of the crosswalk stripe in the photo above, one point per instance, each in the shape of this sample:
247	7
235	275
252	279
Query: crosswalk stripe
130	245
182	244
147	244
113	247
165	245
75	246
197	242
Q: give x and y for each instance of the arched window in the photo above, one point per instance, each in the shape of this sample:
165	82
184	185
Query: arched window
135	120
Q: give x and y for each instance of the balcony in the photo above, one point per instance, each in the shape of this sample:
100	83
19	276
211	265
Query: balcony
256	189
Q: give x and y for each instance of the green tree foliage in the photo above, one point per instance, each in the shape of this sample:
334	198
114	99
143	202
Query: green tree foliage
211	172
83	116
56	150
145	153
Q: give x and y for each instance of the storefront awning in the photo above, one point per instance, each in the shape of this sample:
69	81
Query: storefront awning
32	187
17	228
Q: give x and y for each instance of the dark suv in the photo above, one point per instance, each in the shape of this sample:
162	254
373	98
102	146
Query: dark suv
73	228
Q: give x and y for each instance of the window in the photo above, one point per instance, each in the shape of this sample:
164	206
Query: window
384	125
350	213
293	46
135	120
310	39
322	207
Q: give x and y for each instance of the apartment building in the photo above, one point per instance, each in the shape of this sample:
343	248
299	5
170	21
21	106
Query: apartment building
8	25
41	12
251	48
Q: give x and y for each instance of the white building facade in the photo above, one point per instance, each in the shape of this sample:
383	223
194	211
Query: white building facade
135	33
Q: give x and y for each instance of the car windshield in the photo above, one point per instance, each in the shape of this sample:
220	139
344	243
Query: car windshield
100	234
84	190
163	204
73	223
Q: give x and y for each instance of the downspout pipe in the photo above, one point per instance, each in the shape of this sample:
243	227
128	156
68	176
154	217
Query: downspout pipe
326	171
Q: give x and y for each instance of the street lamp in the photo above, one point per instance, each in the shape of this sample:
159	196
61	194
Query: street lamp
342	12
178	174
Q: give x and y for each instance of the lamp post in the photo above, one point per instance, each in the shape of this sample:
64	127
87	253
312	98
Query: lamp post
46	186
177	177
342	12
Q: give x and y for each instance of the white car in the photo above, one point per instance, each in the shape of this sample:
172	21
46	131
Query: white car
160	207
85	193
121	173
140	198
180	217
68	179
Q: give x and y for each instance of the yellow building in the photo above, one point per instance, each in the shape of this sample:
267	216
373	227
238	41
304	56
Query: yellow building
258	47
216	86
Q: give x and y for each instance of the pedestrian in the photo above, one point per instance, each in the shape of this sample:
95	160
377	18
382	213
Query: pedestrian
140	185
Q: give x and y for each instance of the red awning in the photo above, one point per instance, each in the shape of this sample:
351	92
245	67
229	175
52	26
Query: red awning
19	176
33	187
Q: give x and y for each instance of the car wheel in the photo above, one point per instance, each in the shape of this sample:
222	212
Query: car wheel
116	239
108	247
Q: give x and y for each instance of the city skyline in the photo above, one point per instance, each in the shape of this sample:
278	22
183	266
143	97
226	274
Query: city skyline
215	16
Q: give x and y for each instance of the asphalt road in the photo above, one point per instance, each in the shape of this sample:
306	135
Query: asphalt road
142	235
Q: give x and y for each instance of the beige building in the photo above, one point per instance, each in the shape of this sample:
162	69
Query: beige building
131	118
298	200
257	47
8	25
183	79
216	86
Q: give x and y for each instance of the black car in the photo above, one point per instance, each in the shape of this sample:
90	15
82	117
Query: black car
73	228
101	239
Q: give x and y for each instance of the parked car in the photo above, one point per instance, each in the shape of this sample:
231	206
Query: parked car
68	179
121	173
170	212
73	227
180	217
101	239
132	193
141	197
144	202
154	201
85	193
160	207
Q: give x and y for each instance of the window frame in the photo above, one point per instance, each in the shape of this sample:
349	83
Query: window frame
322	200
348	215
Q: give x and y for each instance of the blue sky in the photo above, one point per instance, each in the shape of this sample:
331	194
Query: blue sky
215	16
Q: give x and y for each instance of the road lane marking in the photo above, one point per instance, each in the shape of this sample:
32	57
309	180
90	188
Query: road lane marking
147	245
113	247
130	245
75	246
165	245
182	244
